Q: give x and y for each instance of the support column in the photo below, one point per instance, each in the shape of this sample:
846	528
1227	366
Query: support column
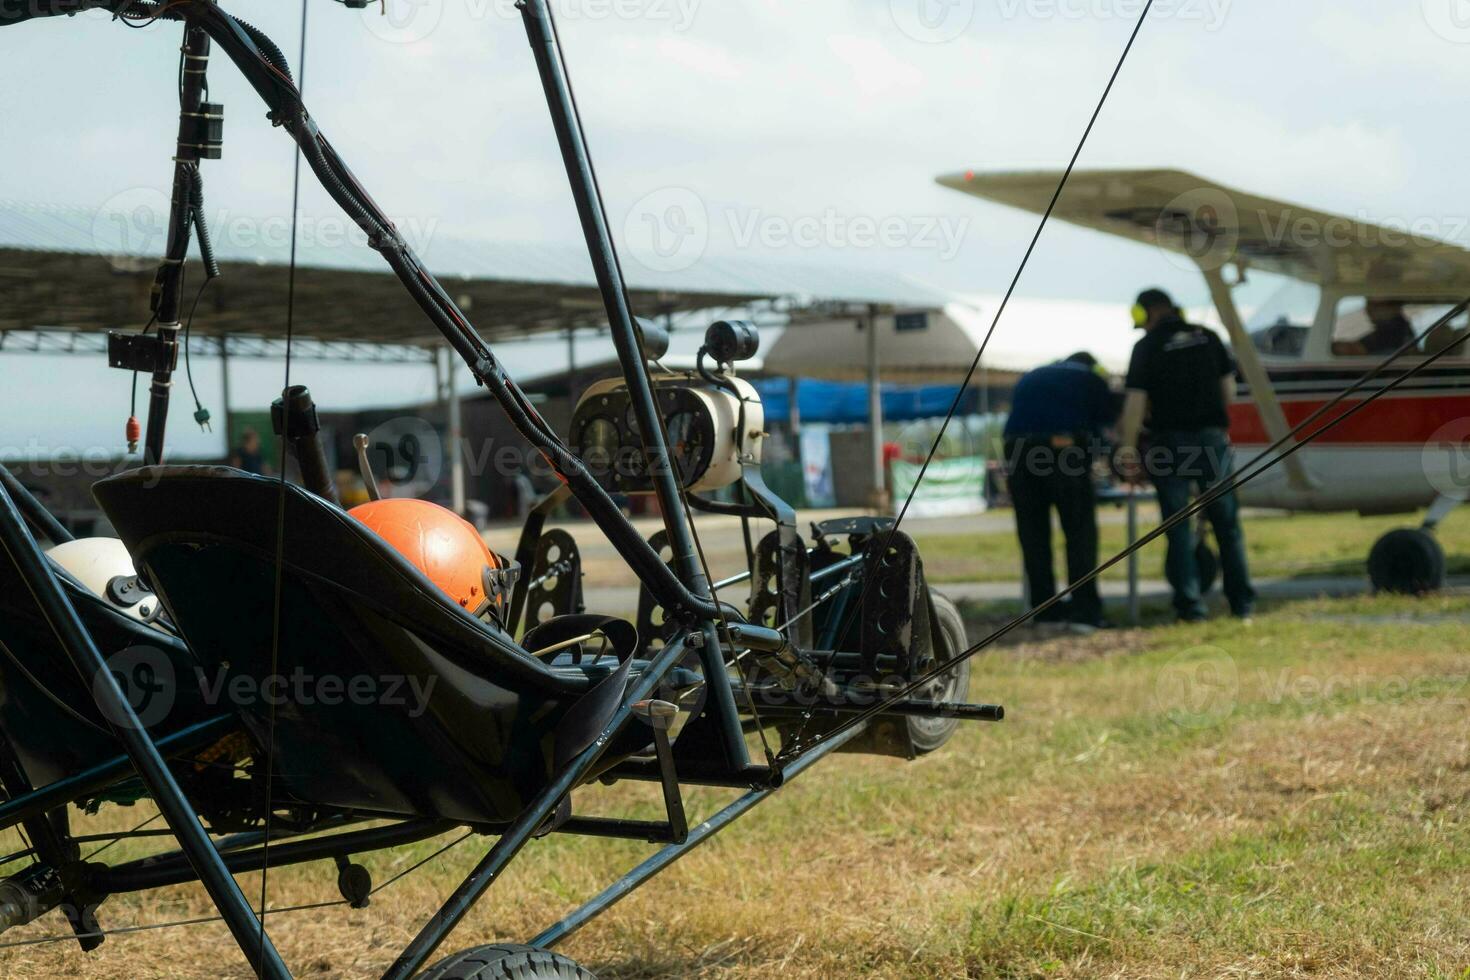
875	414
224	384
456	437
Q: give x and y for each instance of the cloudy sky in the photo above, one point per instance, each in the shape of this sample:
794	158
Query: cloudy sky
787	129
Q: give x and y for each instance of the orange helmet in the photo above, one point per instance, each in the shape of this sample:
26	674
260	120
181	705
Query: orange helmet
444	546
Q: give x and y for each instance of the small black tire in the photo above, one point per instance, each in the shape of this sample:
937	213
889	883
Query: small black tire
506	961
1209	568
930	734
1408	561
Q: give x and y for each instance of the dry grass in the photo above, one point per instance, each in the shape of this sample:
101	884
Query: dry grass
1282	801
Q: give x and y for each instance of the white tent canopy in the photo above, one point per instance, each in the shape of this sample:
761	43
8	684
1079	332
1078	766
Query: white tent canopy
939	346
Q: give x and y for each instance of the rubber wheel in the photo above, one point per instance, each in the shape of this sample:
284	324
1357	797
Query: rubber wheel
1407	562
506	961
1209	568
929	734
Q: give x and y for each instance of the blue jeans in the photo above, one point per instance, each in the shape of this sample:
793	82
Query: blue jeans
1182	464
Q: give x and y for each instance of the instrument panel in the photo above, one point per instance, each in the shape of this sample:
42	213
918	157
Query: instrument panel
701	419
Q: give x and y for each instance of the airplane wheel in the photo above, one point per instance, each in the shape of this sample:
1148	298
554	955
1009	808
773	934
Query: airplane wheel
1408	561
928	734
1209	568
506	961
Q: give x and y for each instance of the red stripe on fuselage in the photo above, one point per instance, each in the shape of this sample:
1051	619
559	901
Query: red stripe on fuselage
1406	419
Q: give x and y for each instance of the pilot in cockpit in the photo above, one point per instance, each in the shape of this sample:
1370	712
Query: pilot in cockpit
1391	330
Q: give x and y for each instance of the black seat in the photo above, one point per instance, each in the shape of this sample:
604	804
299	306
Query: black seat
47	713
389	697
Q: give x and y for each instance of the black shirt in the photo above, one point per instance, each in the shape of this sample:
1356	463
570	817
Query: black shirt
1180	366
1389	336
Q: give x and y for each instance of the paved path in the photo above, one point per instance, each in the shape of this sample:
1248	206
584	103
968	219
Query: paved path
623	600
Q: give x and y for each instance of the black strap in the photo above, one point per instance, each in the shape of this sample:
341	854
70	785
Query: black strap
587	718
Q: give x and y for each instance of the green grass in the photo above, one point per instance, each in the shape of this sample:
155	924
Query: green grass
1283	800
1303	545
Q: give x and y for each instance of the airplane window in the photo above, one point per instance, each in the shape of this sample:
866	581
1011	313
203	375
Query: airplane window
1368	326
1280	326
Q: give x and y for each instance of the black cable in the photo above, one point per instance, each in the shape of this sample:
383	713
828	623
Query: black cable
954	407
188	361
270	742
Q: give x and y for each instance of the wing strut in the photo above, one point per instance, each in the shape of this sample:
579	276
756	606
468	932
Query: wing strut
1255	375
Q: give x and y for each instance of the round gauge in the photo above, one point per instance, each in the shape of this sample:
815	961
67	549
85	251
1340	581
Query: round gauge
600	442
630	419
688	446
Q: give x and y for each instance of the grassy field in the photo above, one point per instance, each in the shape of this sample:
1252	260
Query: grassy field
1279	801
1304	545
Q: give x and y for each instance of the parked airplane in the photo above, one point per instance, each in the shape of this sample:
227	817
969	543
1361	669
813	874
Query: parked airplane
1358	291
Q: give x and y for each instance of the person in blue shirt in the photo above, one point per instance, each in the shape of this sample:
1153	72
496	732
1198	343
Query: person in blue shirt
1058	415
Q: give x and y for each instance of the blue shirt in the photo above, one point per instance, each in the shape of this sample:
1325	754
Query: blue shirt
1064	398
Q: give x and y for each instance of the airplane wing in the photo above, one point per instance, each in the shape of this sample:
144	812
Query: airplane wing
1215	226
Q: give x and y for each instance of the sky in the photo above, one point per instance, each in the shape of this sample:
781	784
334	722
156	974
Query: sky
768	128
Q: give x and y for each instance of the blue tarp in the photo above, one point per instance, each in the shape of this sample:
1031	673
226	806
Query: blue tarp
838	402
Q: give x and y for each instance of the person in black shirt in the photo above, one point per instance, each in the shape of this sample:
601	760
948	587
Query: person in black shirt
1181	381
1391	330
1057	411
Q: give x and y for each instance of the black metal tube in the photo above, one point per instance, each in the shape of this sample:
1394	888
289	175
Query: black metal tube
783	708
157	872
100	776
752	777
31	562
560	102
625	885
35	512
541	30
170	284
652	831
434	932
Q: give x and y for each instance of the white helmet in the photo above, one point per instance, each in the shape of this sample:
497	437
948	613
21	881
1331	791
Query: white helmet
104	566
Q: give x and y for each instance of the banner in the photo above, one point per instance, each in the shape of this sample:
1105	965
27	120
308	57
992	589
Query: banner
816	466
951	487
